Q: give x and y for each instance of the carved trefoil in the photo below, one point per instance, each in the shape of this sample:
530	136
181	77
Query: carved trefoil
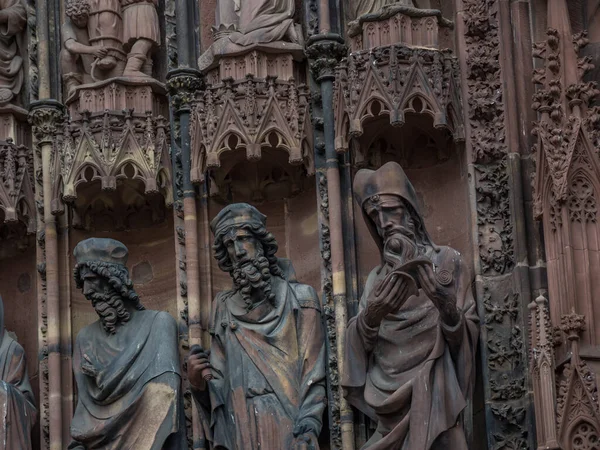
397	81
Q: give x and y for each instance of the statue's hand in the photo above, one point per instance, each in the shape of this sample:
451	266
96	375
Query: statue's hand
100	52
197	362
388	296
443	295
87	367
305	438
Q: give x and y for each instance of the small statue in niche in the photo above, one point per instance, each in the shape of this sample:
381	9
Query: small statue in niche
13	20
78	55
267	360
17	404
410	350
126	364
141	33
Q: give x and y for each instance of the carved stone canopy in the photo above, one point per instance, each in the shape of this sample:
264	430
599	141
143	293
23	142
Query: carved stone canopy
112	153
394	81
17	203
110	148
251	115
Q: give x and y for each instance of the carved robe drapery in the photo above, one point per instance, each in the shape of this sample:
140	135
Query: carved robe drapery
359	8
128	386
17	404
11	61
414	374
269	367
264	21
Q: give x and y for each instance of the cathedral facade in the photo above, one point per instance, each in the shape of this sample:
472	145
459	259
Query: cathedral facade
172	138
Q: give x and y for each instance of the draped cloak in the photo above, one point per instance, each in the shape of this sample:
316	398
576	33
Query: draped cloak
269	367
263	21
17	404
11	44
414	374
134	400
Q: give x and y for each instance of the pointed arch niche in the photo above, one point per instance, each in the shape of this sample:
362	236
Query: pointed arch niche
434	164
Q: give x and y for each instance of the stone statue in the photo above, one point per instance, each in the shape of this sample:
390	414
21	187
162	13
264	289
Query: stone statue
126	364
253	24
141	33
13	20
17	404
410	350
265	21
105	30
361	7
267	358
78	55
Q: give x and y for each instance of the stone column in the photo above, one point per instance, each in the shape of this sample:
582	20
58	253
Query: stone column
324	52
46	117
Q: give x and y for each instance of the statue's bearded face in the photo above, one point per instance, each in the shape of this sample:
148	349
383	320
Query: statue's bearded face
108	304
250	271
394	225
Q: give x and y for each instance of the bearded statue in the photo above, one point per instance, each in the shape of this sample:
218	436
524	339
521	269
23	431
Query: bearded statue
410	350
263	384
126	364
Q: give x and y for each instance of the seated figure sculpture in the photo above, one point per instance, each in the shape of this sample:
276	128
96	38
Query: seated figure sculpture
17	405
267	357
126	364
410	350
13	20
261	24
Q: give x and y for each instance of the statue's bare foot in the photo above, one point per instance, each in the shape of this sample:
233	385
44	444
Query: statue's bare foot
6	95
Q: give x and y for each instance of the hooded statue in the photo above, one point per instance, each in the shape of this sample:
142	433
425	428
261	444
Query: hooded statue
410	352
126	364
267	351
17	405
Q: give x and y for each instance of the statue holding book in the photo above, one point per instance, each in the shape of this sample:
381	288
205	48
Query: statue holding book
411	348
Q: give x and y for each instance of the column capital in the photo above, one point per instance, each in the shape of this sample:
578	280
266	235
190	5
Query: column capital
325	51
45	117
183	83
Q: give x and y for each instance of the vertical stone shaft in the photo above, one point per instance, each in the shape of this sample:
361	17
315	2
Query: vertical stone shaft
337	251
51	242
53	305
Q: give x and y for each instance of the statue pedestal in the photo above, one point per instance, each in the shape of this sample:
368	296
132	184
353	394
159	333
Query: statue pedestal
114	151
13	124
117	94
400	24
256	63
225	59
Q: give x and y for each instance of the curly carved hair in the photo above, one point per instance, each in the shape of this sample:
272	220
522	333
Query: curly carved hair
74	8
117	276
267	240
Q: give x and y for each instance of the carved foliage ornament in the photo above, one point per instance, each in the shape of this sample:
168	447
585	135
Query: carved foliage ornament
395	81
249	115
484	80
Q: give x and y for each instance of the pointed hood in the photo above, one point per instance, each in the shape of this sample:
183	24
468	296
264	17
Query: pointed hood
389	179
